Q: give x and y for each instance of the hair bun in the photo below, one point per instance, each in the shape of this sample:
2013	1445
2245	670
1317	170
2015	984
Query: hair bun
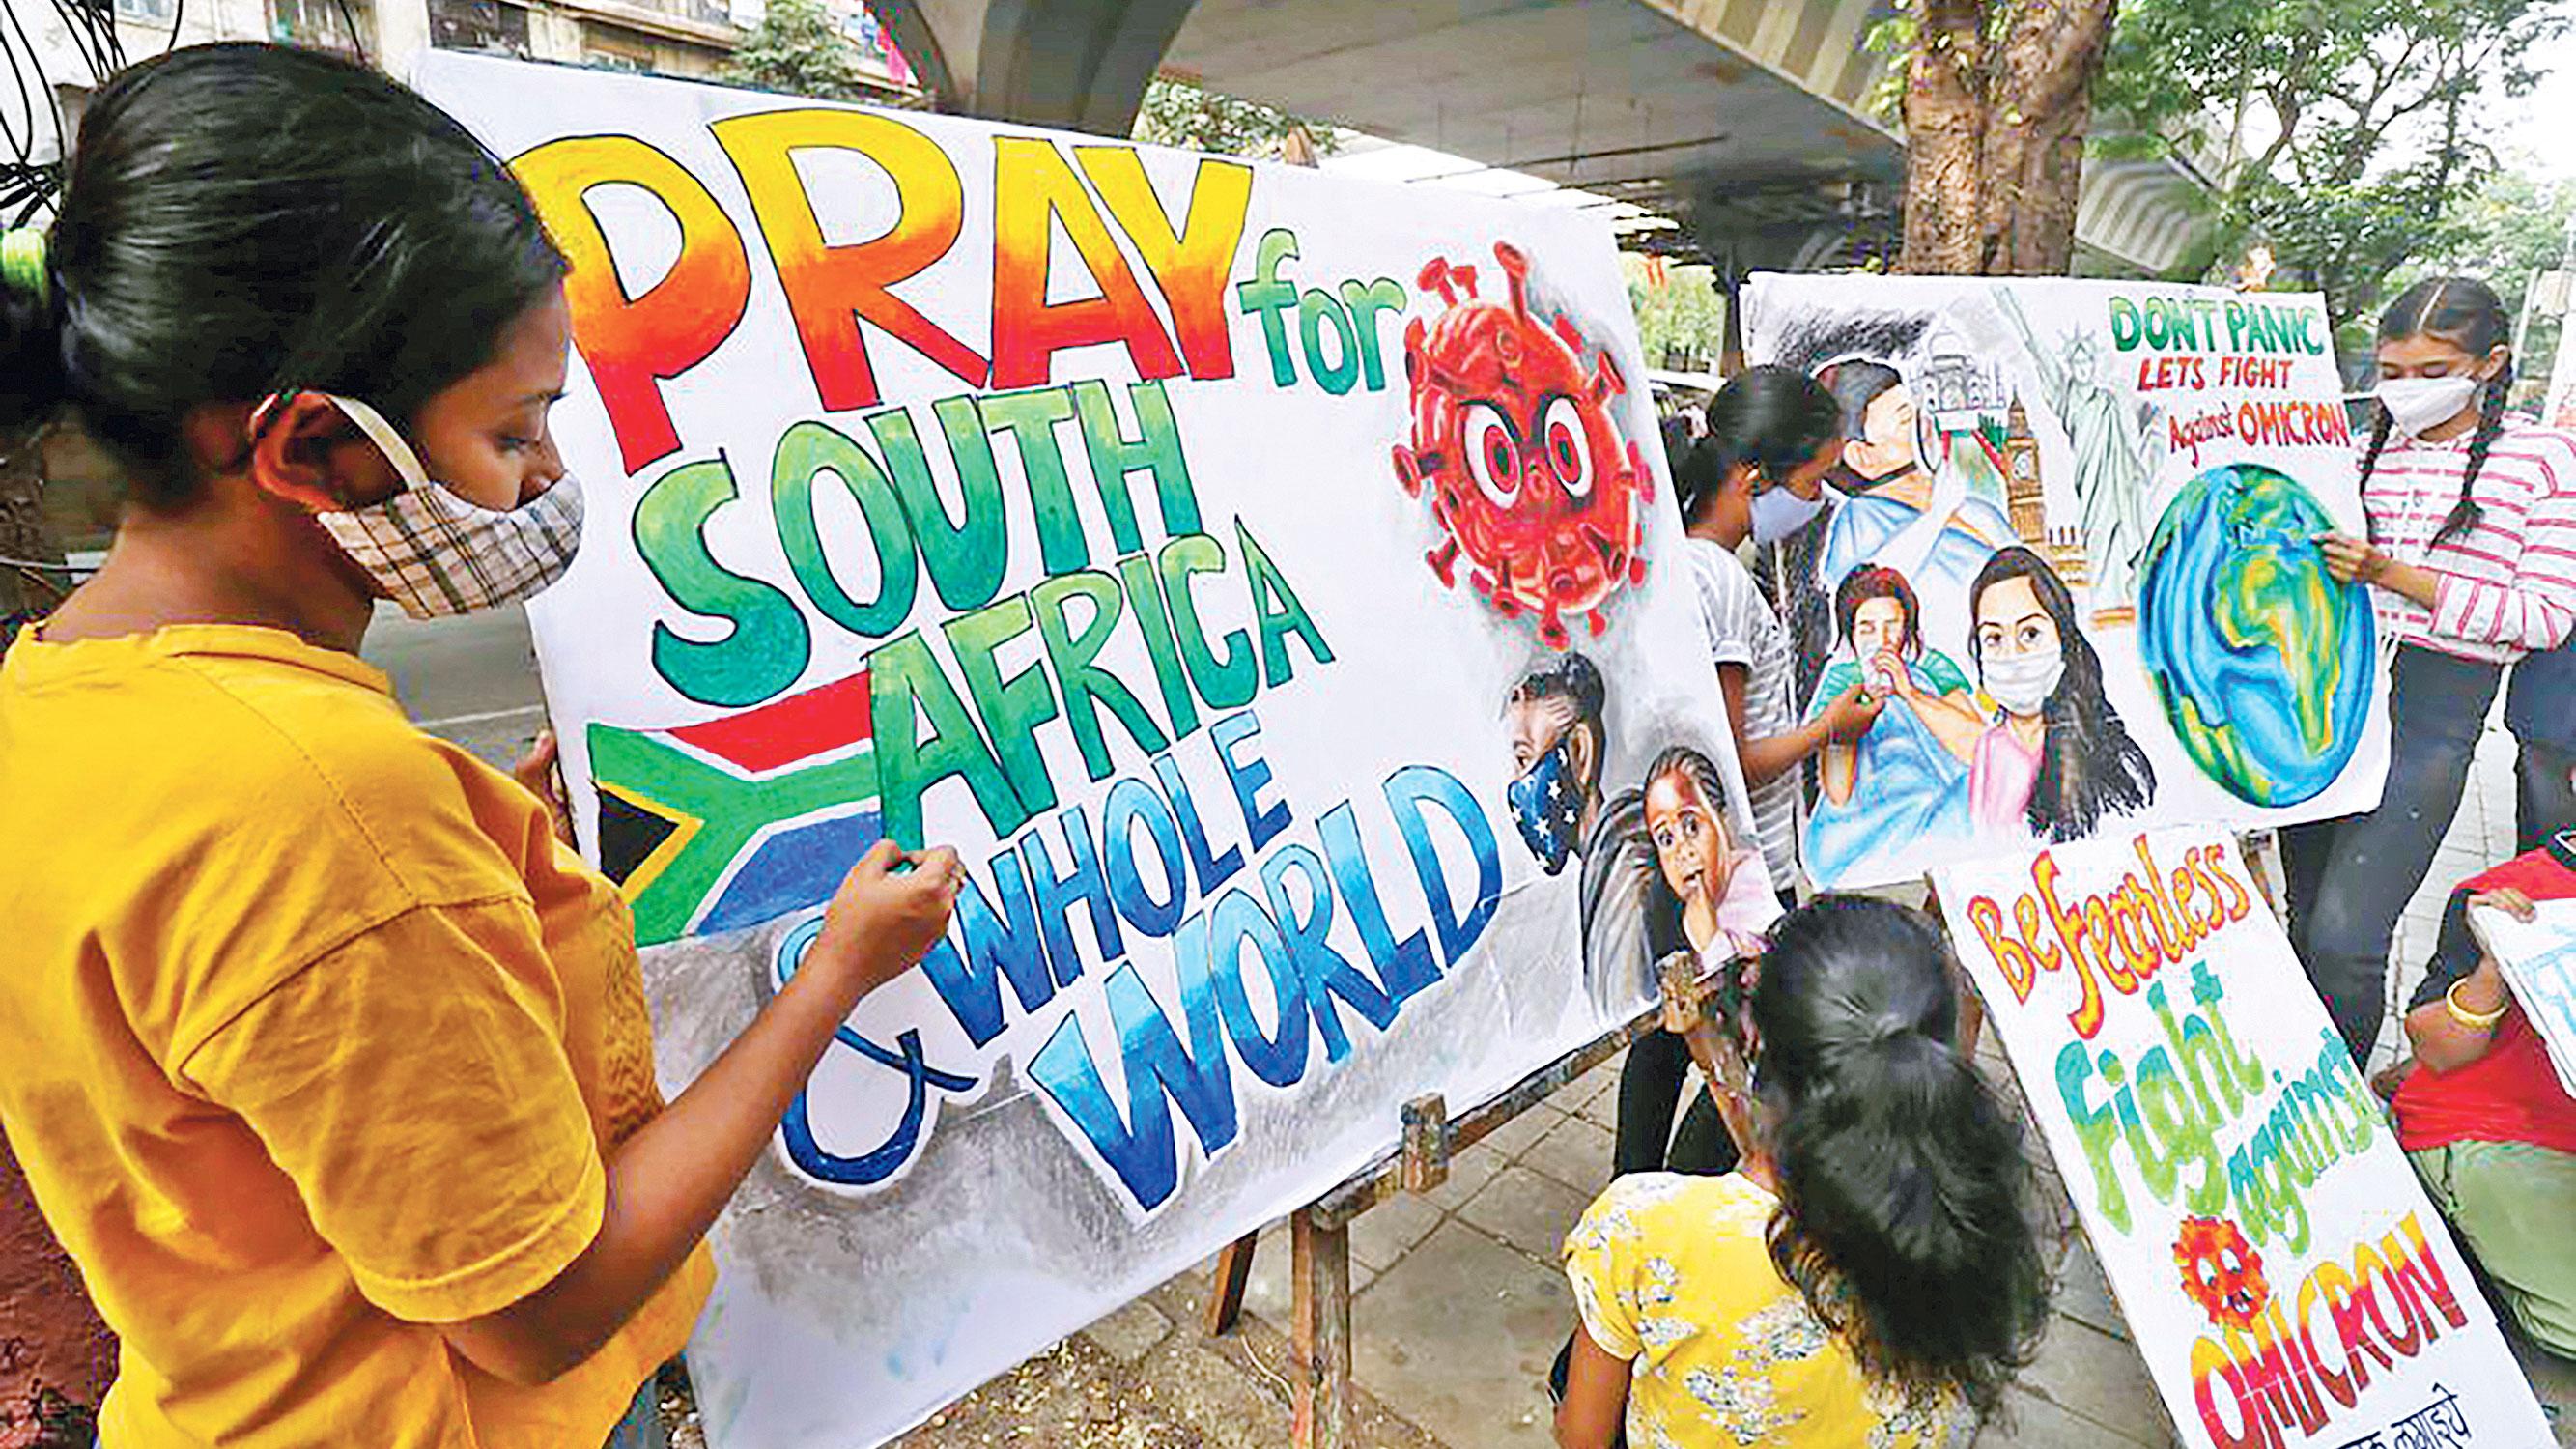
31	357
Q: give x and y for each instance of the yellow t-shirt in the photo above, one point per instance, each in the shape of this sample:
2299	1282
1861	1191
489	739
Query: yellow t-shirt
1674	1274
316	1038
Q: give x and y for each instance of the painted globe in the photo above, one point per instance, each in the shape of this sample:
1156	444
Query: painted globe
2262	661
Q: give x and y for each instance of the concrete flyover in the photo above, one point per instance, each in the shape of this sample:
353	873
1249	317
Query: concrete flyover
1748	121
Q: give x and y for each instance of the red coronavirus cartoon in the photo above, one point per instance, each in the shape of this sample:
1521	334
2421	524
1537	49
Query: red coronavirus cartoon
2221	1271
1527	470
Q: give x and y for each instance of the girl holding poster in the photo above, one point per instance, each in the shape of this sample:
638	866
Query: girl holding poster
333	1069
2471	556
2485	1115
1869	1275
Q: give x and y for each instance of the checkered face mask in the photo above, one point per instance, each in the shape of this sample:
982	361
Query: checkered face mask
436	554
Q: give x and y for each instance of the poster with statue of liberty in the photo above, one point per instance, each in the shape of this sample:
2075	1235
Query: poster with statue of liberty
2071	547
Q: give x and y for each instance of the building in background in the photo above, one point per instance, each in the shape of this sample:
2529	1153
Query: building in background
56	60
666	37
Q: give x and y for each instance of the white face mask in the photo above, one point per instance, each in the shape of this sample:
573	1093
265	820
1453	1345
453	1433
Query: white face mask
2418	404
2022	683
1777	513
438	554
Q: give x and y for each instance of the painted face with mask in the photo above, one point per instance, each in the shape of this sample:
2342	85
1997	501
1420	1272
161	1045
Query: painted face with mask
1552	791
2021	658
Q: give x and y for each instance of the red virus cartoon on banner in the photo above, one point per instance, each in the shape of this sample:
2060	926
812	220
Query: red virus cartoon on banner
2221	1271
1527	470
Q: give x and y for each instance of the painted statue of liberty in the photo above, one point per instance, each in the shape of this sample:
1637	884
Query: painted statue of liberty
2112	469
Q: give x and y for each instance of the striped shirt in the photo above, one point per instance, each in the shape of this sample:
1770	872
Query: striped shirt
1743	631
2508	583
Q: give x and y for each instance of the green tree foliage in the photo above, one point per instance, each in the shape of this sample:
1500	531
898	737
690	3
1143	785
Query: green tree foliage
2360	123
1193	118
1681	320
2508	231
798	51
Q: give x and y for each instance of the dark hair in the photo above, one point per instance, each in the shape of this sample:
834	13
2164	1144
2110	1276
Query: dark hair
1771	418
1570	676
1877	581
2468	314
1676	431
1695	766
1904	1184
2088	765
1663	906
241	220
1855	384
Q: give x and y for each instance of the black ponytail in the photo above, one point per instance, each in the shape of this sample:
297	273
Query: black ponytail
2380	427
239	220
1905	1189
2465	513
2468	314
1771	418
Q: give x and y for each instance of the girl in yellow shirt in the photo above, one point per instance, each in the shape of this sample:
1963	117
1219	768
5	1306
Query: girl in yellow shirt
1868	1276
328	1059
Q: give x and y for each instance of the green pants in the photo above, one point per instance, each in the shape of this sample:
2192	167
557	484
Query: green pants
2514	1205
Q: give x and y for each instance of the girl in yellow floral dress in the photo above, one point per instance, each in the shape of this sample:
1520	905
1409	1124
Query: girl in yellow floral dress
1868	1276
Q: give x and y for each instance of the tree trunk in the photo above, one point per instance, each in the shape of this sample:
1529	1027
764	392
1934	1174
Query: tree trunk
1996	111
1945	140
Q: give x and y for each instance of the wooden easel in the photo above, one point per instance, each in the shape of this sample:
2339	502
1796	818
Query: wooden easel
1319	1234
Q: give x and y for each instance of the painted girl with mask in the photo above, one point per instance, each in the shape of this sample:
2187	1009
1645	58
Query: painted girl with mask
335	1075
1897	784
2470	559
2054	759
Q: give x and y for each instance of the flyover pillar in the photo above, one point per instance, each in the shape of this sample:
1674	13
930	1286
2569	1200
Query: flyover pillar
1079	64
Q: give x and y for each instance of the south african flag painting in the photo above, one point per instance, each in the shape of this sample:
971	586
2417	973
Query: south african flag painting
717	826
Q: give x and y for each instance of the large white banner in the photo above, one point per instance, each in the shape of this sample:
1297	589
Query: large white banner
2278	1264
1267	581
2073	545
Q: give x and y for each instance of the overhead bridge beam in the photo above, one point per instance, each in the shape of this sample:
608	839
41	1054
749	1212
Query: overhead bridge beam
1079	64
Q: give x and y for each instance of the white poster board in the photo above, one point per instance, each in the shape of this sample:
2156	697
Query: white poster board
2074	538
2538	958
2279	1266
1268	582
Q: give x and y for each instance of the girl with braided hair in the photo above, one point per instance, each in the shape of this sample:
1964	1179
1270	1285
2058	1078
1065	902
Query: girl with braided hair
2471	558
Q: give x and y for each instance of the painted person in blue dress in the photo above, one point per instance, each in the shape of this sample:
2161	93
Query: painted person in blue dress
1898	784
1897	512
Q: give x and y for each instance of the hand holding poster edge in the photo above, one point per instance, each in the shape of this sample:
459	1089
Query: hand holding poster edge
2538	959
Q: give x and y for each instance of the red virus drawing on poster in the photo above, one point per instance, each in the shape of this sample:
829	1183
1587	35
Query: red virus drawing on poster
2221	1271
1515	442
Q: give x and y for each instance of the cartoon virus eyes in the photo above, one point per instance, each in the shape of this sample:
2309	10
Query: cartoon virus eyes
1526	469
2221	1271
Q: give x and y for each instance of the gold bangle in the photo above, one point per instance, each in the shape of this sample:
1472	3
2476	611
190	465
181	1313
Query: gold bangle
2473	1020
